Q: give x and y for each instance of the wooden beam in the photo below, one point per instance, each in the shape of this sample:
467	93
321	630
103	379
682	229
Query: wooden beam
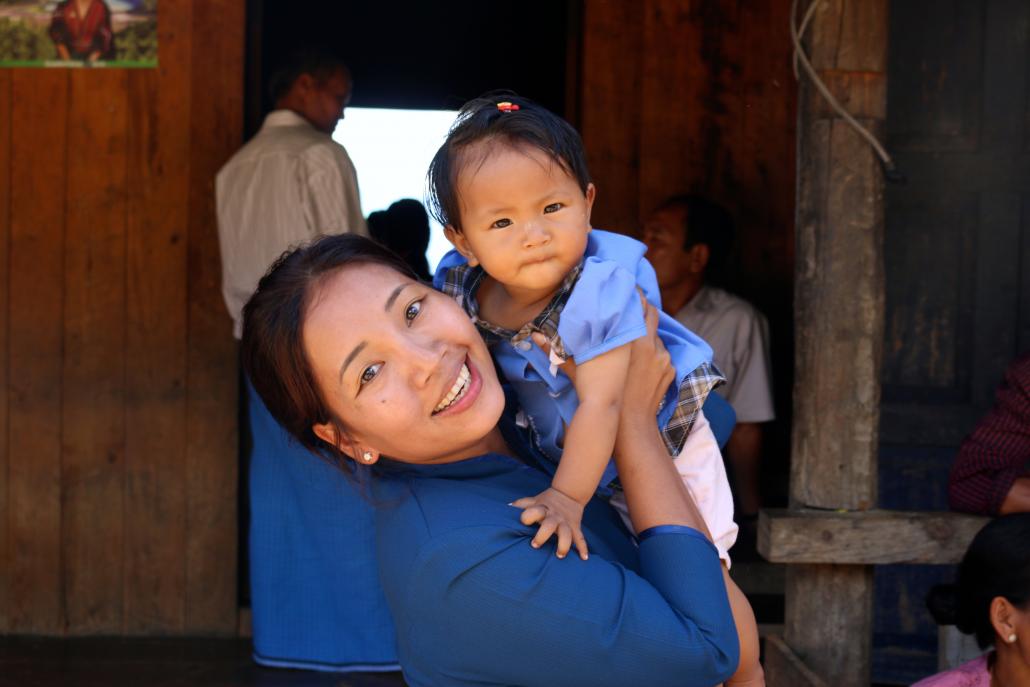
784	669
839	271
839	319
865	538
828	621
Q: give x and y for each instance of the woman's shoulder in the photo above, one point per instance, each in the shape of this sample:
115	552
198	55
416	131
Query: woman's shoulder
971	674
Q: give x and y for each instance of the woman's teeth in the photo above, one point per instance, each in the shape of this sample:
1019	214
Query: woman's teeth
461	385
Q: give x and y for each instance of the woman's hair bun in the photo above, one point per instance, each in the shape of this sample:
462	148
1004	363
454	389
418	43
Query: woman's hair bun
942	602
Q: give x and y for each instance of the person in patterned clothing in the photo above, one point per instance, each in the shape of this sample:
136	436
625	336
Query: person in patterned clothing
81	30
991	474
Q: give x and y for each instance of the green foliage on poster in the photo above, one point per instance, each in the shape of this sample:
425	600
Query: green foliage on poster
138	42
19	41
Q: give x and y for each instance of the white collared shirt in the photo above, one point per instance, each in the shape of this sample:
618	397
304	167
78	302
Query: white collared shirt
287	185
739	337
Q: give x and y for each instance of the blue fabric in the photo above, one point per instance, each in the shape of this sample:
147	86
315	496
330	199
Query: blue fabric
315	593
721	417
602	313
475	604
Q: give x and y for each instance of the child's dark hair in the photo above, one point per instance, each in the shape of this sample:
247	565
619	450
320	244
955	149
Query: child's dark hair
997	563
481	120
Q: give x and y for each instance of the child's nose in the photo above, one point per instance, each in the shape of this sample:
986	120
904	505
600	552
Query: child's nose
536	235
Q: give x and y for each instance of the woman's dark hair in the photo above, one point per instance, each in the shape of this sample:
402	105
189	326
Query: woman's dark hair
997	563
272	348
481	120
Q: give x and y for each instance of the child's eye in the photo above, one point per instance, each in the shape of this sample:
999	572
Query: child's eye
501	223
413	310
369	373
553	207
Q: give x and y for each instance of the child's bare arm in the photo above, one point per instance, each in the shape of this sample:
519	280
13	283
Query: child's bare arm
589	440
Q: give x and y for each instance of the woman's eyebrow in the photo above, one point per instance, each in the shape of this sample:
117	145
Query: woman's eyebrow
393	296
350	358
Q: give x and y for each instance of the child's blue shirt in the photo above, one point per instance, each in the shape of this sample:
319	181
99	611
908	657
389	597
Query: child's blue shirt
595	310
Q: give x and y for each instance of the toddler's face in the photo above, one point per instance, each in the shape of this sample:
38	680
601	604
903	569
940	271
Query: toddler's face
523	217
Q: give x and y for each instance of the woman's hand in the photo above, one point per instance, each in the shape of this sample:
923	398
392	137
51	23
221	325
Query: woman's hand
650	373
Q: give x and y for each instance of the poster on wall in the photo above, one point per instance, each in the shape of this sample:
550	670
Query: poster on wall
78	33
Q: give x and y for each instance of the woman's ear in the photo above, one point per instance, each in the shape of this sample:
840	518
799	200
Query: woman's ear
329	433
461	244
1003	618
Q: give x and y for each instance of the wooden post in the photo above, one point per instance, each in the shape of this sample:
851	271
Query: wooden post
838	330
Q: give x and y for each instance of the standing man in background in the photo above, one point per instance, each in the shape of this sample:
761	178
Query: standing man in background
315	596
688	239
292	181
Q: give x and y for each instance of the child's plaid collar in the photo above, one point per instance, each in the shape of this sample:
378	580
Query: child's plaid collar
462	282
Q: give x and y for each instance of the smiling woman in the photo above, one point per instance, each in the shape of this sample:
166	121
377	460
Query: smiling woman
357	358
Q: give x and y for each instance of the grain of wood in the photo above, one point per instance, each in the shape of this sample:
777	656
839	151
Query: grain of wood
829	621
784	669
6	553
612	45
865	538
93	375
156	355
211	420
37	213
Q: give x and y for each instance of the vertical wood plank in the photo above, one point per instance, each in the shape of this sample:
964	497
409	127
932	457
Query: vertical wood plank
155	502
211	443
612	44
839	296
36	278
93	402
829	621
6	553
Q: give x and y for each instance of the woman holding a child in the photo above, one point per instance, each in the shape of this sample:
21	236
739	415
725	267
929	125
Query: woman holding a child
362	362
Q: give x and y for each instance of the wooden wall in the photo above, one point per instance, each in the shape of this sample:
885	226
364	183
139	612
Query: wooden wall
694	96
117	365
698	96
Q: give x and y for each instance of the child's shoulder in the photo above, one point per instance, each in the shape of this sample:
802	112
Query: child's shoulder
606	245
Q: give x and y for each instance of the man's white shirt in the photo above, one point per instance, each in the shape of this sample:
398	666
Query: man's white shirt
287	185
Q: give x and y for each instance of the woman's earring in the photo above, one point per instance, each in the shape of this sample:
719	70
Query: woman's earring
367	456
1011	638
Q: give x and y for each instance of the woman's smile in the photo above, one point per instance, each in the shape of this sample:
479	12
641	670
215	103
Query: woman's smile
463	393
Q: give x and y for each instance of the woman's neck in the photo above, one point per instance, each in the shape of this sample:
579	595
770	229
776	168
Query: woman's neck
1009	668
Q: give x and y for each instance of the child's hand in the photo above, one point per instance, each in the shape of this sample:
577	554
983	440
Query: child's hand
557	514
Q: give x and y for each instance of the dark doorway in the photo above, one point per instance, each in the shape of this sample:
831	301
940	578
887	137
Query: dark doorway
420	55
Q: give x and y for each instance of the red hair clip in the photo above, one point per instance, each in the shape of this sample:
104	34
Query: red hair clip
507	107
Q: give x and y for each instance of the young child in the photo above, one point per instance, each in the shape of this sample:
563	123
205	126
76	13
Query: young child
511	187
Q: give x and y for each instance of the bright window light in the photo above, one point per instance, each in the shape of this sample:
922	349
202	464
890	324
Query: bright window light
391	150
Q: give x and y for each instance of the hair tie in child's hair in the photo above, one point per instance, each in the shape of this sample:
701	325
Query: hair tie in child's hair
507	107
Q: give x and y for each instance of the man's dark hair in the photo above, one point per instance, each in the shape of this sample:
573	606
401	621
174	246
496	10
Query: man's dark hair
524	124
705	222
318	61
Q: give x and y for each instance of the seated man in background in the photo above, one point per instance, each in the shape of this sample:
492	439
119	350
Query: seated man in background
991	474
688	239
